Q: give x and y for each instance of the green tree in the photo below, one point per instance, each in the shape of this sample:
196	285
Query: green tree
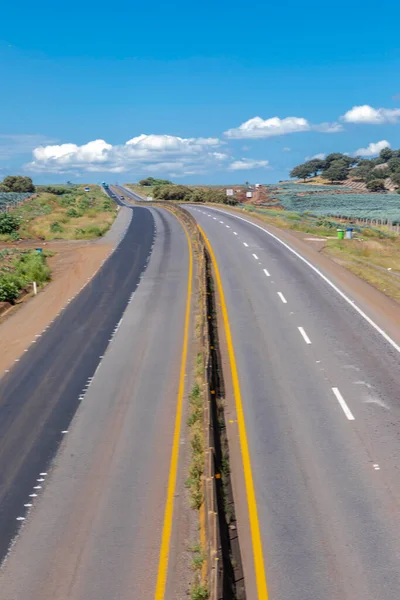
386	154
153	181
302	171
317	165
360	172
8	223
337	171
348	160
394	164
376	185
395	177
17	183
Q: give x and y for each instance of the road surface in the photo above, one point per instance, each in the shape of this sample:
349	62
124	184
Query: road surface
94	529
320	394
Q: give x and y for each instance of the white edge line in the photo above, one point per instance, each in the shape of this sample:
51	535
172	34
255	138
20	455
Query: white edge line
305	336
255	256
328	281
266	273
343	404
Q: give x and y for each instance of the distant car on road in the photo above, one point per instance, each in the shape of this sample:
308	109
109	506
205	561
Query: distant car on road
122	198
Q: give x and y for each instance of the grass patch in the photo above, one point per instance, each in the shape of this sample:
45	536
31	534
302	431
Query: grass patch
142	190
19	269
377	261
199	591
71	215
196	470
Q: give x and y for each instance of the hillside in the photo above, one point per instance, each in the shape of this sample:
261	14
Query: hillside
380	174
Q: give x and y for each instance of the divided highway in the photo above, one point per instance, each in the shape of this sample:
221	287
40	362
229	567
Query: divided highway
320	394
94	514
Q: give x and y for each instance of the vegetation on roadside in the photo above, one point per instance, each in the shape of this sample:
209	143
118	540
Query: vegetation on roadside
373	254
17	183
374	172
151	181
195	422
60	212
161	189
18	269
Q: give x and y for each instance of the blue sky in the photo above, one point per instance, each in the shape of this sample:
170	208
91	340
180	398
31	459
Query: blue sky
95	76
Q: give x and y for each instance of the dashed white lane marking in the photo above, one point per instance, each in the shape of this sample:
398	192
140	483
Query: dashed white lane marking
376	467
215	218
343	404
282	297
266	273
255	256
305	336
65	431
20	518
234	233
227	226
244	244
327	280
222	222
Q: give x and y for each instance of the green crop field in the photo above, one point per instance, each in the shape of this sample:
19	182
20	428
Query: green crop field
353	206
11	199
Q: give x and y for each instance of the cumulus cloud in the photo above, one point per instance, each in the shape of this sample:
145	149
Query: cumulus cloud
319	156
286	149
265	128
159	153
373	148
373	116
248	163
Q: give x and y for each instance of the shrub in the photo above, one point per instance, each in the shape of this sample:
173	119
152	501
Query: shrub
8	290
376	185
55	227
17	183
72	212
8	223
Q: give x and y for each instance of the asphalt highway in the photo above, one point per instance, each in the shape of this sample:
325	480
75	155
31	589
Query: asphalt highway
320	392
86	428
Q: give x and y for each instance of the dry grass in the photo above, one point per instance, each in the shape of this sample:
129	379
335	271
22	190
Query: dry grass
375	261
74	215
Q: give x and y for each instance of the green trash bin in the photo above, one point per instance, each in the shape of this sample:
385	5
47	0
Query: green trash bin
340	234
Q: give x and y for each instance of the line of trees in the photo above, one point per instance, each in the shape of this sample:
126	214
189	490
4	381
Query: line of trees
183	193
152	181
339	167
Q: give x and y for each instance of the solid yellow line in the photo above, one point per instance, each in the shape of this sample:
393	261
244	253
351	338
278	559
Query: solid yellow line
173	469
259	568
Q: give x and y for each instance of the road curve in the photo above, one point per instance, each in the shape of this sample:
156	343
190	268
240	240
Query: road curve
320	392
94	530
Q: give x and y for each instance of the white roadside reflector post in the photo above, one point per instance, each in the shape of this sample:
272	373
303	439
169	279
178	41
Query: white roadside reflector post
34	288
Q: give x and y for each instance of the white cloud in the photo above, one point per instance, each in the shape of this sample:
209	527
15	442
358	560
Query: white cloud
319	156
248	163
265	128
286	149
328	127
260	128
370	115
161	153
373	148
